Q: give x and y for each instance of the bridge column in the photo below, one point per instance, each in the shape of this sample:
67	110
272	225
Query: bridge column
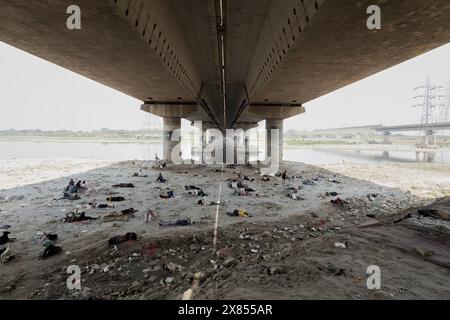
274	116
386	137
170	125
274	124
430	138
172	115
247	148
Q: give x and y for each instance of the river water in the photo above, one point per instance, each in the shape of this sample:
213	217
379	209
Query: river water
142	151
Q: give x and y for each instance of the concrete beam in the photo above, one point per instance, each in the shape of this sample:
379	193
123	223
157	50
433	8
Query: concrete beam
170	110
276	111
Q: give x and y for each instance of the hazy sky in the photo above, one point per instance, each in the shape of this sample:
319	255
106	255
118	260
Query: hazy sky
35	94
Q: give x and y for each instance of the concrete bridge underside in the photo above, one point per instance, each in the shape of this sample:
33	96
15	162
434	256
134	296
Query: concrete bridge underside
231	63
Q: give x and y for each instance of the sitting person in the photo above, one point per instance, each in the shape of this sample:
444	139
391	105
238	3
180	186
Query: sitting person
169	195
161	179
71	184
242	192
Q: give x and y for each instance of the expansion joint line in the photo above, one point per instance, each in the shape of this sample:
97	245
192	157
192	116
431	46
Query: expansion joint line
218	204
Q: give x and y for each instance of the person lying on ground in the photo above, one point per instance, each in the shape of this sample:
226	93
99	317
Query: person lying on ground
121	216
121	239
115	199
4	239
129	211
93	205
239	213
77	217
198	192
161	179
191	188
123	185
176	223
295	196
140	174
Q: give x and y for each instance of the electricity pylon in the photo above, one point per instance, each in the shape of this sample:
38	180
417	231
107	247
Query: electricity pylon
444	114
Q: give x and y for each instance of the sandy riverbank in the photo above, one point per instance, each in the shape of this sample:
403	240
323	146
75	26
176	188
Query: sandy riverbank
292	228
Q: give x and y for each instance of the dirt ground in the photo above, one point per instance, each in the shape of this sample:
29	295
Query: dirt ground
286	250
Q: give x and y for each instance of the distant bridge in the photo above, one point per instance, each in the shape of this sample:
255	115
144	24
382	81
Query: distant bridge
415	127
430	130
359	129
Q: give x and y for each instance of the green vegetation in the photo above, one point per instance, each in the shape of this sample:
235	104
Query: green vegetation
103	134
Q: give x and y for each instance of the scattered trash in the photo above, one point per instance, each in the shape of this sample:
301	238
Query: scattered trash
173	267
436	214
149	216
423	252
340	245
331	194
230	262
308	182
6	255
370	223
295	196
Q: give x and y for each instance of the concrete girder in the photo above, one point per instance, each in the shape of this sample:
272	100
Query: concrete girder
275	112
170	110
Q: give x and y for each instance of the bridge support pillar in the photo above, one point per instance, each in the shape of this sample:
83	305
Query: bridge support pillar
247	148
387	137
430	139
170	125
274	124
